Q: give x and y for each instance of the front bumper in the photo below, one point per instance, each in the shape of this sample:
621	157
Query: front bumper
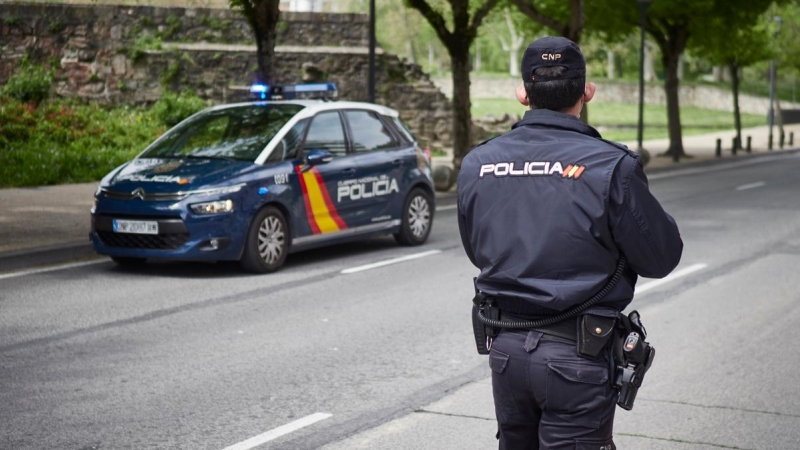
209	238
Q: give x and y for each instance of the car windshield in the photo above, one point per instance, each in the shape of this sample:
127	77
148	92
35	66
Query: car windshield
237	133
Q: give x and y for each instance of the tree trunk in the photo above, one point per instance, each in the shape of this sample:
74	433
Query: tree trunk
513	61
671	84
611	67
649	67
737	117
462	116
264	25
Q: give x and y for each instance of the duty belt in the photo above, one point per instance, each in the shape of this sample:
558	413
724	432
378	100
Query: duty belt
567	329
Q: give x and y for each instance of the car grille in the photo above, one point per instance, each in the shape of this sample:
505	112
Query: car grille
116	195
144	241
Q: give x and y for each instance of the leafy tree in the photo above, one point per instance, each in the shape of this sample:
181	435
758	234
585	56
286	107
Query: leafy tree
673	24
788	40
564	18
735	49
465	18
512	36
263	16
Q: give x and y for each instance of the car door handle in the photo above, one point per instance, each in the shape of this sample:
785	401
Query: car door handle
397	162
350	171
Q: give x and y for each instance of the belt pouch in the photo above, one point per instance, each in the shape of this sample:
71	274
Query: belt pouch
594	333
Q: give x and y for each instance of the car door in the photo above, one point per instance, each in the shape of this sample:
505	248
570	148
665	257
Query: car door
326	211
380	165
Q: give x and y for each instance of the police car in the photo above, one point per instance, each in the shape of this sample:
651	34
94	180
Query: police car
256	181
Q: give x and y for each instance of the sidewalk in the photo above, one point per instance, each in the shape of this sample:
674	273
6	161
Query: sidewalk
50	224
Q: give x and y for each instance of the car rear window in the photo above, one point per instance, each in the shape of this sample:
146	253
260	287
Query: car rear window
239	133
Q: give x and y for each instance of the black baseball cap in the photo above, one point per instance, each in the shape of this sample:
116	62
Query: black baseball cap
553	52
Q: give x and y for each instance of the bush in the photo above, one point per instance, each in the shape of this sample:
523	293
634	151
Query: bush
29	84
68	142
173	108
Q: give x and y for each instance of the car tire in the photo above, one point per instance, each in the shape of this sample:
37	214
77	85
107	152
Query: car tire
417	218
127	261
267	242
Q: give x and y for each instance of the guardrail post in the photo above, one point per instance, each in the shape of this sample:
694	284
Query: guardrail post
769	143
749	144
734	144
791	139
719	148
781	139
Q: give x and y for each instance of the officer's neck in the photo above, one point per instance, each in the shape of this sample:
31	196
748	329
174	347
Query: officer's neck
575	110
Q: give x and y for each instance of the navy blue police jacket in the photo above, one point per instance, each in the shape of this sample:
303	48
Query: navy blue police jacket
546	209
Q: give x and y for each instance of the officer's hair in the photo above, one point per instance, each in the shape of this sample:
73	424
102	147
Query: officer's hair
555	95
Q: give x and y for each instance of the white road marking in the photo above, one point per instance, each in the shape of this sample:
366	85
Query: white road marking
745	187
446	208
255	441
50	269
389	261
671	277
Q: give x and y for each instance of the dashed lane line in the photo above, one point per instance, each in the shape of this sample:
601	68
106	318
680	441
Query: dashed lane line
671	277
446	208
50	269
745	187
387	262
275	433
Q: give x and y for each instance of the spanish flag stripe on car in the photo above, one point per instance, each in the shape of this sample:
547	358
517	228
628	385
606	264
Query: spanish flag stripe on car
309	213
328	203
322	215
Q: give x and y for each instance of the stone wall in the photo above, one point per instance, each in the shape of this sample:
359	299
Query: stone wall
98	58
707	97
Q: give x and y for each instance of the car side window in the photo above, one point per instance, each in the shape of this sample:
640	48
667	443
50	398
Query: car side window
289	146
368	132
403	129
326	133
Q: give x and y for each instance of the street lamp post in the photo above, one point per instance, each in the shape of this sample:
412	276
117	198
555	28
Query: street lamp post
643	4
771	113
371	59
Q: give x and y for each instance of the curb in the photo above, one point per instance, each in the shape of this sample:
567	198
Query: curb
42	256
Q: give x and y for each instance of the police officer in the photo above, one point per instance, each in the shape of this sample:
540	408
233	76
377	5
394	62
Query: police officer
545	212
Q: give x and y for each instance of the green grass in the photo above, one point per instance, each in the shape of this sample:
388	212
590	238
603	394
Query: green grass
618	121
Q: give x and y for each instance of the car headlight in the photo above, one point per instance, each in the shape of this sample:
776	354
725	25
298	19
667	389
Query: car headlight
217	207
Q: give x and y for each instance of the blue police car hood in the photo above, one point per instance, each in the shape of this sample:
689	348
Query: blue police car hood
173	175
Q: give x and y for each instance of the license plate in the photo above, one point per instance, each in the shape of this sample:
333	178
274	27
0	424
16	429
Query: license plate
135	226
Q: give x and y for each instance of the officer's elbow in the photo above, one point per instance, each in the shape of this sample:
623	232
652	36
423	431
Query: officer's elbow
667	261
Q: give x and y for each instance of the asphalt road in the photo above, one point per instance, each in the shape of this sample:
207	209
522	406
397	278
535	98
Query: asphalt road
200	356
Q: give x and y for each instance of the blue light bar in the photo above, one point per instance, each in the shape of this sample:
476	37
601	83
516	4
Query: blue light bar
295	91
259	90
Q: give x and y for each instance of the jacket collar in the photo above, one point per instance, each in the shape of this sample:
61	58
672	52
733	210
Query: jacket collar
553	119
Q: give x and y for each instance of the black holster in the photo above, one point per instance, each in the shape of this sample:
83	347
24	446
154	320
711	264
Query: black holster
633	357
484	333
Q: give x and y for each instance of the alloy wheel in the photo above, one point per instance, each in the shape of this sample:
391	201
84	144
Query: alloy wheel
271	240
419	216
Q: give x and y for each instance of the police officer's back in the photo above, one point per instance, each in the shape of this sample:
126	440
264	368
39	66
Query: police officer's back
546	211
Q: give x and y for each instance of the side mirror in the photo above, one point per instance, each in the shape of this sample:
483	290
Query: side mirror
315	157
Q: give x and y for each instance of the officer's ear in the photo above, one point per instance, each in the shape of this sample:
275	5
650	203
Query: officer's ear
588	92
522	96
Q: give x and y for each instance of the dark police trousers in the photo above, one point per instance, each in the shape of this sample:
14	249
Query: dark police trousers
547	397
